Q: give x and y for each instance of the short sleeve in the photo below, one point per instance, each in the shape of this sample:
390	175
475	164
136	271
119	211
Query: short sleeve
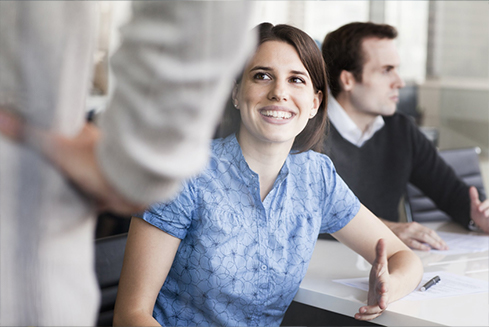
173	217
340	205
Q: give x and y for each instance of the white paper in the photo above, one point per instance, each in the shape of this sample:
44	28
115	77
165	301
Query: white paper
449	285
463	243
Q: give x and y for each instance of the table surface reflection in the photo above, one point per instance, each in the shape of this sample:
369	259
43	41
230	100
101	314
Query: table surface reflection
332	260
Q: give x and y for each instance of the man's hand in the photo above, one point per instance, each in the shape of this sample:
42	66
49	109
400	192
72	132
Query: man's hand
417	236
379	282
479	211
74	157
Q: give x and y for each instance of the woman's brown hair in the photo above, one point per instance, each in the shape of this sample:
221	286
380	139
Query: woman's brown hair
313	134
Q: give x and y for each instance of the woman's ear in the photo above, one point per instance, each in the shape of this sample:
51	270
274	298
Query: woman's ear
347	80
318	99
234	96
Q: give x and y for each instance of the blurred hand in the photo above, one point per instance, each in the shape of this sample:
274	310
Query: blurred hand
479	211
379	282
417	236
74	157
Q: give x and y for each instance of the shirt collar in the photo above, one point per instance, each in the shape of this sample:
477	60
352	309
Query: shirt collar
347	128
248	175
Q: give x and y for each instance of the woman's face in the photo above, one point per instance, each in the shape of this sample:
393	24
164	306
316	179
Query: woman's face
276	97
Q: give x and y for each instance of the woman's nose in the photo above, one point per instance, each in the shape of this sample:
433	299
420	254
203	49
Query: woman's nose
278	92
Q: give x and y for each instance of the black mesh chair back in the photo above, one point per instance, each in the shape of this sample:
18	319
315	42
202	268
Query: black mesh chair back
109	254
465	163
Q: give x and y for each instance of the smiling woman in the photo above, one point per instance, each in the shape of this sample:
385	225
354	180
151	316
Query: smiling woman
276	96
234	246
306	70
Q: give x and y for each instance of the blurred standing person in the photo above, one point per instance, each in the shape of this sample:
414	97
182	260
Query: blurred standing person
173	72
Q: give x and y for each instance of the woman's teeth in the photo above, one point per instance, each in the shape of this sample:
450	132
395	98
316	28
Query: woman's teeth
277	114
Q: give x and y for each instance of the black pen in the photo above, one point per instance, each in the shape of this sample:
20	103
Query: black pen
430	283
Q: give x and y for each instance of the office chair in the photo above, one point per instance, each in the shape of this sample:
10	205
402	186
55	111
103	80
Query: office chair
109	224
465	163
109	254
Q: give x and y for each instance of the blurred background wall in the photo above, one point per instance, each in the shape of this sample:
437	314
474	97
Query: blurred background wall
444	49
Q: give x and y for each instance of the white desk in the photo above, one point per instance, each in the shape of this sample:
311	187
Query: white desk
333	260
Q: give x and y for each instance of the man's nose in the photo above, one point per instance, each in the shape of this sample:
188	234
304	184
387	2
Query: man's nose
399	82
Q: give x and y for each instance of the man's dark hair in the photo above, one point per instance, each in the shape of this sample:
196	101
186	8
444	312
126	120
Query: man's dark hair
342	49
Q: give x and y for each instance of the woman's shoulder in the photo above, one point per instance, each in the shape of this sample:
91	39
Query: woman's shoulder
312	160
224	147
209	176
224	153
310	157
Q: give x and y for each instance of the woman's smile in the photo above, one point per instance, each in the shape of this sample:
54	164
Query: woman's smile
276	114
276	96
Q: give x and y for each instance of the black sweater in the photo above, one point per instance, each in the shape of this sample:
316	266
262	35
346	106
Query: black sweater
378	172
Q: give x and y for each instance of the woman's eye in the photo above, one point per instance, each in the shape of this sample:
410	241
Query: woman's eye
261	76
297	80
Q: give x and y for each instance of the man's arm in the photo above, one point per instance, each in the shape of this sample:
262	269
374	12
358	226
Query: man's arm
437	180
174	71
416	236
479	211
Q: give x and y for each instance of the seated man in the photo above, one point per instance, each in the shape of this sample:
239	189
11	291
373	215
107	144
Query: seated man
378	151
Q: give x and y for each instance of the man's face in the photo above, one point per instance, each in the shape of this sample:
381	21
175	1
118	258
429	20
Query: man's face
378	92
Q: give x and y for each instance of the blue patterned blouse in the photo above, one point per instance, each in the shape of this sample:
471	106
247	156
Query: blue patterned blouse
241	260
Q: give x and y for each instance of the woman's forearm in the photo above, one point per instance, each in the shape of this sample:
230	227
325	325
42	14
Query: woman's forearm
405	271
134	318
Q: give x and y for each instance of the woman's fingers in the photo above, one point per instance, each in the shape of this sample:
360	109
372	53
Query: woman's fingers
369	312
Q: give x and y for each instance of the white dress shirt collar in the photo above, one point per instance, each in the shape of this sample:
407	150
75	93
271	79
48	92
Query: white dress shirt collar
347	128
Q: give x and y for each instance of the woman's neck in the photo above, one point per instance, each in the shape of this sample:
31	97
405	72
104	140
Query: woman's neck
264	158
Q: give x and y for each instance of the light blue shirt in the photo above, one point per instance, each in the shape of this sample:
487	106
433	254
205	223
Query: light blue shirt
241	260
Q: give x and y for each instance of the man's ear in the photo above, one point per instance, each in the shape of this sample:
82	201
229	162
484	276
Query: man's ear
347	80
